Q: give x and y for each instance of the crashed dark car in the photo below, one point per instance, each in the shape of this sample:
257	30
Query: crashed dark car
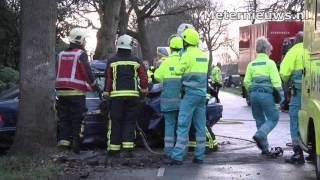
8	116
152	121
95	124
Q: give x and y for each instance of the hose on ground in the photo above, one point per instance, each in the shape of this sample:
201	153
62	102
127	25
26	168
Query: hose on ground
229	137
145	142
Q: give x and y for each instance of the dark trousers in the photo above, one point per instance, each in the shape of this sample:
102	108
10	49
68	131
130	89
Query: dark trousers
209	136
71	111
216	87
124	115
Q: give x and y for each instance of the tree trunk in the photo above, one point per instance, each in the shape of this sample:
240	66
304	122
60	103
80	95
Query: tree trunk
36	128
143	40
255	5
106	35
210	61
124	20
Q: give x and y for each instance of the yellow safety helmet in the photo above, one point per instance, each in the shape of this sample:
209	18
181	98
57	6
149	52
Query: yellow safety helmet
190	36
78	36
176	42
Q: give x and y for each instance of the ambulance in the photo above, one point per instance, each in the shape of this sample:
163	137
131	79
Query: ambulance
309	115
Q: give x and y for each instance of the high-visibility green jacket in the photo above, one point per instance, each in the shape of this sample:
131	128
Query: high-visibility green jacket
292	65
171	83
262	74
193	67
216	75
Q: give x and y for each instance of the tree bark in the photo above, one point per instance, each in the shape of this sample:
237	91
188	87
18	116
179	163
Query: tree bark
144	42
106	35
124	20
36	128
210	60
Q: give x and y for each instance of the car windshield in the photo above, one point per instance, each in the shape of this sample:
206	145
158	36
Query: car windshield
98	67
10	93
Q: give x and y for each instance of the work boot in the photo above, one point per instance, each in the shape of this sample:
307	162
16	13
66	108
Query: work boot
63	148
265	152
310	158
112	158
297	157
63	145
273	153
170	162
127	154
76	145
258	142
197	161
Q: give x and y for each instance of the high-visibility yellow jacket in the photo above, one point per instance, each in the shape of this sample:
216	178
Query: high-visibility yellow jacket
216	75
291	66
171	83
262	74
193	67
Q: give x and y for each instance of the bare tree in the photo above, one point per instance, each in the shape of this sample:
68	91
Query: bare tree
145	12
231	45
106	35
36	126
225	58
281	6
252	7
292	6
128	16
211	30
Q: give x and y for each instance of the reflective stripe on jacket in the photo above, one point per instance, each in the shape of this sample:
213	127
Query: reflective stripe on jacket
216	75
71	73
193	67
124	74
292	65
171	83
262	74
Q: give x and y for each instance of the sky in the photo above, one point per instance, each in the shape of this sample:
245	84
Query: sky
228	5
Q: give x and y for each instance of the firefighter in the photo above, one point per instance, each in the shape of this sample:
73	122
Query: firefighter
216	79
74	78
124	75
193	67
261	79
291	72
170	95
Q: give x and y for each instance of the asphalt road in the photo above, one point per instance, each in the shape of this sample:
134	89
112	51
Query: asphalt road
236	159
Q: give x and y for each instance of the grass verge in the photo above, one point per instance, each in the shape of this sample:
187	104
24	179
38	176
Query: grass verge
21	167
236	91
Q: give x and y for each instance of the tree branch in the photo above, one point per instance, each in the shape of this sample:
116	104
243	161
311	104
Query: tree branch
133	34
173	12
